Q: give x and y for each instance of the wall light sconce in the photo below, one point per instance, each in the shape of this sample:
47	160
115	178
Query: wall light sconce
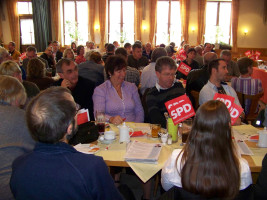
97	27
193	29
245	31
144	27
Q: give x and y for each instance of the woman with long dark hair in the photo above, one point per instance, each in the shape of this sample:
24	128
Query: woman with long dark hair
208	164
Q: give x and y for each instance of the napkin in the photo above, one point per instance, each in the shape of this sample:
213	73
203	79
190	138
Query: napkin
137	133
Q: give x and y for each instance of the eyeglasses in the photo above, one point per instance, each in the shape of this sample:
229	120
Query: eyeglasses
169	74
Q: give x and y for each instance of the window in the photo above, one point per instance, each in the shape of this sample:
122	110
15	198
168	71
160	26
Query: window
218	22
75	21
26	22
168	22
121	29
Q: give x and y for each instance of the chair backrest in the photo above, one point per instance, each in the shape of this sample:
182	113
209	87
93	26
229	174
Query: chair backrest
254	99
195	95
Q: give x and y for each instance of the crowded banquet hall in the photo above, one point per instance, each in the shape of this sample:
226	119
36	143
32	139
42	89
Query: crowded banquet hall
133	99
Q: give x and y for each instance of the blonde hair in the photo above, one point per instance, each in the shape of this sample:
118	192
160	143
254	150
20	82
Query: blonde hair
9	68
35	68
66	51
12	91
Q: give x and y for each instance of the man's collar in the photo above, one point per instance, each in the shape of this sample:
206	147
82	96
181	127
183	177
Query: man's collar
161	88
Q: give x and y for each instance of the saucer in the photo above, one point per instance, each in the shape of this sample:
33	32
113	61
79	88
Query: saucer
106	141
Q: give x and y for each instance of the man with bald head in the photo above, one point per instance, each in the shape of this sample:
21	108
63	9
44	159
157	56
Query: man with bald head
196	79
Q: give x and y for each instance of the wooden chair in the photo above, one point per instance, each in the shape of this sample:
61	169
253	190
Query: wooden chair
252	114
195	95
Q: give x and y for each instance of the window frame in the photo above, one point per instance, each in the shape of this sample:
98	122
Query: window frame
168	23
21	17
218	16
76	17
121	18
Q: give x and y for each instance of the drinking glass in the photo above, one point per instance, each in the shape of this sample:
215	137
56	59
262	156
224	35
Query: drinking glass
100	121
155	129
187	125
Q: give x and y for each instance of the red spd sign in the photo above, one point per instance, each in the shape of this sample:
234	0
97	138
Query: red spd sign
180	109
184	68
248	53
234	110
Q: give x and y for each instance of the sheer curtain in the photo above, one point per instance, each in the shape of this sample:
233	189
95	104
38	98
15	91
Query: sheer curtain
153	17
102	21
201	20
13	18
235	13
55	13
91	19
185	10
138	18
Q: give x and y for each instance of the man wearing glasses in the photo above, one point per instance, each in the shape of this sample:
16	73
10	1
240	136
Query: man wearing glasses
165	89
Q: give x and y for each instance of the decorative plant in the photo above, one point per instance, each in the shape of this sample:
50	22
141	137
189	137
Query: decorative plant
73	31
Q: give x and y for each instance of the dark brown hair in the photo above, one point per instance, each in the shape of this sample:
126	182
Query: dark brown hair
79	49
35	68
211	167
114	63
243	64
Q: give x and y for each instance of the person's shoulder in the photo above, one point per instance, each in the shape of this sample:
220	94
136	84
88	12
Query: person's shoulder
29	84
129	85
85	82
153	91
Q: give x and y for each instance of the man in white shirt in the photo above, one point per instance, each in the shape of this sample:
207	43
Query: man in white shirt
218	71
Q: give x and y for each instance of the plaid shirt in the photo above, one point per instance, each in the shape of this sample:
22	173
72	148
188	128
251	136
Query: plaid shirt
247	86
132	76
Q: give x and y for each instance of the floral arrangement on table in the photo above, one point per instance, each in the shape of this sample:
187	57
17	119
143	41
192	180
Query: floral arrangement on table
252	55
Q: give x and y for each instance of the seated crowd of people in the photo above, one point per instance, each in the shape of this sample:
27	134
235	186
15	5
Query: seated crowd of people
40	97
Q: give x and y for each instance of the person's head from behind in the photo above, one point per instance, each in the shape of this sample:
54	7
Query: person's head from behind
68	53
115	67
137	51
165	71
172	44
170	51
80	50
31	52
128	48
11	68
121	52
111	48
198	50
67	69
245	66
208	57
4	55
157	53
210	152
226	55
12	91
51	116
35	69
218	70
96	57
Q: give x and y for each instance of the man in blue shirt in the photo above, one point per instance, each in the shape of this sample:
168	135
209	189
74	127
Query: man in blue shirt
54	169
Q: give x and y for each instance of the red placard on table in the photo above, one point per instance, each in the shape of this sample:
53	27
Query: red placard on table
180	109
83	116
234	110
184	68
248	53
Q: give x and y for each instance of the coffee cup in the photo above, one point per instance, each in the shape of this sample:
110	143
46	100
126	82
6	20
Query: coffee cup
109	135
262	138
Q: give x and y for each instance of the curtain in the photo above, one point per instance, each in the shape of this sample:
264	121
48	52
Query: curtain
185	10
235	13
153	20
13	18
138	18
102	21
201	20
91	19
42	23
55	13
